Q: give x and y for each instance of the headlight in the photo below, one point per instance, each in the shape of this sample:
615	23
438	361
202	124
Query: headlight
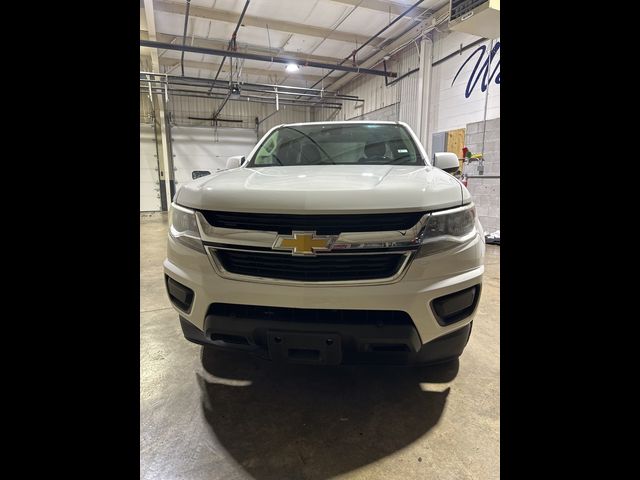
448	229
183	227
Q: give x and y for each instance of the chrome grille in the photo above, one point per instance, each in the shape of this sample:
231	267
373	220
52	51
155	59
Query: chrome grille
368	249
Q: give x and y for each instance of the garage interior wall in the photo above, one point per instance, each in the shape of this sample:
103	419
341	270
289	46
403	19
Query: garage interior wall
381	102
485	188
451	105
150	198
463	103
449	108
198	145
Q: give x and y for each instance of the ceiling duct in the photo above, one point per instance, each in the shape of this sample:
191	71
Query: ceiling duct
476	17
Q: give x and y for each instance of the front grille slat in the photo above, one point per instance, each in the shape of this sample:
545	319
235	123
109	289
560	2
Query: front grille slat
321	224
283	262
319	268
312	270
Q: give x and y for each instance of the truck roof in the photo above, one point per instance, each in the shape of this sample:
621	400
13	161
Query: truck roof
339	121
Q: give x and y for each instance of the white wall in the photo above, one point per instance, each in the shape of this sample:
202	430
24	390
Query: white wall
206	148
460	104
149	179
449	108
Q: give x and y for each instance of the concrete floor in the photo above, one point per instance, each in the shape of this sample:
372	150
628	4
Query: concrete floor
235	417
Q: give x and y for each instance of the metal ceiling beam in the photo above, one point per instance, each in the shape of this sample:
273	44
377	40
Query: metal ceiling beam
263	58
212	67
407	36
256	88
205	82
373	38
242	98
274	23
245	47
395	8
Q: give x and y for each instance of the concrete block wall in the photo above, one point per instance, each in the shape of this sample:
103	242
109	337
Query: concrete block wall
486	195
485	191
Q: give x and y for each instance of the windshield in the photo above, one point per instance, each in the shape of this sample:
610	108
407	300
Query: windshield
338	144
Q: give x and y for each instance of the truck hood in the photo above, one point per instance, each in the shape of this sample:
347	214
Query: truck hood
323	189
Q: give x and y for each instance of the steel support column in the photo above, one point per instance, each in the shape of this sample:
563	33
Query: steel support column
424	93
167	159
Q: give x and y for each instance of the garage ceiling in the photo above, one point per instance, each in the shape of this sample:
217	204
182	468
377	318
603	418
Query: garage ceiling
316	30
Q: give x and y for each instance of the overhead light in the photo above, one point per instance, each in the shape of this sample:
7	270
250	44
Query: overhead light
235	91
292	67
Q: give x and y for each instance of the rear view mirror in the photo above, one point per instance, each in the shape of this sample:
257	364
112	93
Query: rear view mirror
446	161
234	162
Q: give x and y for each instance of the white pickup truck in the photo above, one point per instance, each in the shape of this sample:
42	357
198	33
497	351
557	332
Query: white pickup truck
330	243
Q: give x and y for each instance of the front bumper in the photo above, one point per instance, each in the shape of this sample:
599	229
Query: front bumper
426	279
324	344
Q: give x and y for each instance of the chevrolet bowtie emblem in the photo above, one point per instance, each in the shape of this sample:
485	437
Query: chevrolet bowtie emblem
303	243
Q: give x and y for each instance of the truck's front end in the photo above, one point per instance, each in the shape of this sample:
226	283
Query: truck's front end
334	243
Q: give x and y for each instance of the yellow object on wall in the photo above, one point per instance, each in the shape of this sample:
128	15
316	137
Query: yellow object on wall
455	141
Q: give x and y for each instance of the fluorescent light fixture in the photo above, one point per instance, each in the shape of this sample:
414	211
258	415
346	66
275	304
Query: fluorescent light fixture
292	67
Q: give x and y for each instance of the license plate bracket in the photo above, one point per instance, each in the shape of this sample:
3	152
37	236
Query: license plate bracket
306	348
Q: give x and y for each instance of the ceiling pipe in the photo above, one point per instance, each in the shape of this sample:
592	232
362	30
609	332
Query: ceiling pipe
217	120
179	79
258	88
434	16
232	42
459	51
380	32
184	35
410	72
263	58
268	117
245	88
422	34
216	96
242	98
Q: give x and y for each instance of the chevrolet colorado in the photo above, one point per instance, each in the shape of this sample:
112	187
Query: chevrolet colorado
330	243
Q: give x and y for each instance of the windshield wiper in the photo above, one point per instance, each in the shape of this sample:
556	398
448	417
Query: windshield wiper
314	142
400	158
276	157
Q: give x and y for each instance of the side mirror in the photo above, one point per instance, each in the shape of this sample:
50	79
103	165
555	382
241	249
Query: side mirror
234	162
199	173
446	161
